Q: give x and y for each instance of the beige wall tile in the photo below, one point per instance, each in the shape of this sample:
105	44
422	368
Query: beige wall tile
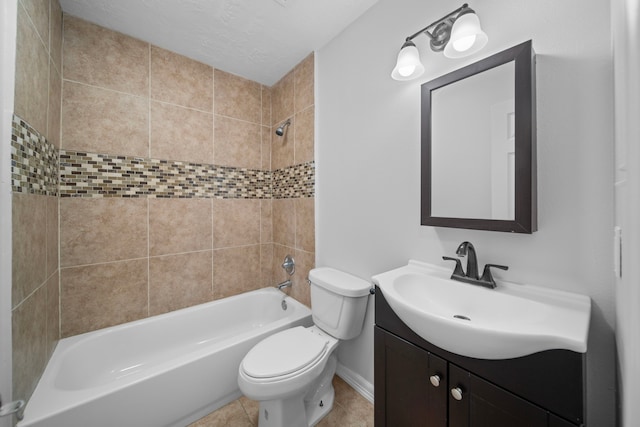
53	113
266	221
282	147
97	296
266	106
29	244
236	270
267	135
304	136
104	58
55	34
304	83
179	281
266	264
284	222
103	121
305	261
179	133
282	105
304	97
237	143
53	312
237	97
38	11
304	71
32	75
179	225
29	336
179	80
102	230
236	222
305	224
52	234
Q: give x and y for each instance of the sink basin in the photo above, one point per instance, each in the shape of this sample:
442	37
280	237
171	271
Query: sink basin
509	321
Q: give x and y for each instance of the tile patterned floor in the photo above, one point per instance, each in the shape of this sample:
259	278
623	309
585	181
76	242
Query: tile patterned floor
350	409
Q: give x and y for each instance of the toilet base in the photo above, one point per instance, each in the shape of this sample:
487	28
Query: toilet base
317	410
302	410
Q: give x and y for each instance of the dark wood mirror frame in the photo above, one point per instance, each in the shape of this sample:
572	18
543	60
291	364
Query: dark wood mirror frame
525	220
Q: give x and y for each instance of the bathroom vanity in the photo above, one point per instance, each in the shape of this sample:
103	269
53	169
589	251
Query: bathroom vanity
419	384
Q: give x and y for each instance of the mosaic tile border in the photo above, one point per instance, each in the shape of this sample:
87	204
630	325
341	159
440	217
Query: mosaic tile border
295	181
34	161
37	167
101	175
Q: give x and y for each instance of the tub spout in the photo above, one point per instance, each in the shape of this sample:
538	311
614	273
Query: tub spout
285	284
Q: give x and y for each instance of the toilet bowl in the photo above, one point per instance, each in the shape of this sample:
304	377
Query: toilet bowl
290	372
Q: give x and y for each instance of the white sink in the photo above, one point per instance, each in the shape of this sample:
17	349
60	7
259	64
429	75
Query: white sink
509	321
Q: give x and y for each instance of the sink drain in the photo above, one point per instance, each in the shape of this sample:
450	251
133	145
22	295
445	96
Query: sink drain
460	316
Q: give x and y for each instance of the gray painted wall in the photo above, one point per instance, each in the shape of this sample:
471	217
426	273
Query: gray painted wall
368	161
626	46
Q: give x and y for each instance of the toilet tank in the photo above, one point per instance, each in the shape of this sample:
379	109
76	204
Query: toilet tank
338	302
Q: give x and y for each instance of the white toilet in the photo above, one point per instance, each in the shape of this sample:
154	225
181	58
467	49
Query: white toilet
290	372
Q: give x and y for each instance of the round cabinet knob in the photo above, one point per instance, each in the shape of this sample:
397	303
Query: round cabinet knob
456	393
435	380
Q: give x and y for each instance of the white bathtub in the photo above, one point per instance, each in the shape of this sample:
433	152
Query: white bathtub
166	370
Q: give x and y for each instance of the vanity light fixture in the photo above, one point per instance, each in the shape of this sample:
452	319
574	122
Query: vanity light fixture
458	34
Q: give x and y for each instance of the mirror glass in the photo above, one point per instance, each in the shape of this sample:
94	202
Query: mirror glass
473	146
478	145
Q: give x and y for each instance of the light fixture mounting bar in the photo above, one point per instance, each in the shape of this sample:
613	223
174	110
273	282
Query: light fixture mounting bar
433	24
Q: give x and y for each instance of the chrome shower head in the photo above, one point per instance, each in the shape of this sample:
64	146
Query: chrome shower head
282	127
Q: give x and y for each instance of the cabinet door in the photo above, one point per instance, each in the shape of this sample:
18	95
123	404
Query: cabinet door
555	421
474	402
404	393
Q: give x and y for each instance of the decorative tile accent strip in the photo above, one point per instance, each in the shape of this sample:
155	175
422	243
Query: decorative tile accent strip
294	181
35	164
102	175
34	161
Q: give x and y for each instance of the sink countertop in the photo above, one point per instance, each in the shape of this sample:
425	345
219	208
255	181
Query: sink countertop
512	320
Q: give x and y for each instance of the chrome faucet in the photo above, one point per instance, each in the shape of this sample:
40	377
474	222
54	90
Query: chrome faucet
285	284
289	266
471	275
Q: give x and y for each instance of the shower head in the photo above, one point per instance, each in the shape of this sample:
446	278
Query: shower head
282	127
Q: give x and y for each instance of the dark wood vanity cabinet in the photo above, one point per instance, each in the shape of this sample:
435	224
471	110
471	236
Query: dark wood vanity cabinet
482	404
409	397
414	381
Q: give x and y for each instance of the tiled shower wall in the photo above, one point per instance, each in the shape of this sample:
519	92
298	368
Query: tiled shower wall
173	191
292	154
34	155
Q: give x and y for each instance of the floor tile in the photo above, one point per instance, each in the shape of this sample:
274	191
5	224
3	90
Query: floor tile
350	409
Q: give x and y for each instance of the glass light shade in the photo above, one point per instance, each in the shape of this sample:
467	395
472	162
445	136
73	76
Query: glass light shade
408	65
467	37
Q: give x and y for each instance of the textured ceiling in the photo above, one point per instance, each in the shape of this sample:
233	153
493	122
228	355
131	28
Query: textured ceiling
257	39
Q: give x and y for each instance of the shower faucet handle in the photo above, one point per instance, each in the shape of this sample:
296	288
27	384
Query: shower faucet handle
289	265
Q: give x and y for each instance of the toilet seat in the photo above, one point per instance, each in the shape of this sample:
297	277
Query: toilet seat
285	353
303	353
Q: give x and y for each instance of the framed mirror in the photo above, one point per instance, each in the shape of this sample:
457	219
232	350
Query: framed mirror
478	160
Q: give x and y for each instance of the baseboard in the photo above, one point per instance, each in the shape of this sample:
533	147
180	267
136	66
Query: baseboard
355	380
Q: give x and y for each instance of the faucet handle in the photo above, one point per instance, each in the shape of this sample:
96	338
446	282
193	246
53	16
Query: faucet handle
488	277
457	271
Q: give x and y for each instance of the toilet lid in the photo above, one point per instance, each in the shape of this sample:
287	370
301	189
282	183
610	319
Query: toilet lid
284	352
